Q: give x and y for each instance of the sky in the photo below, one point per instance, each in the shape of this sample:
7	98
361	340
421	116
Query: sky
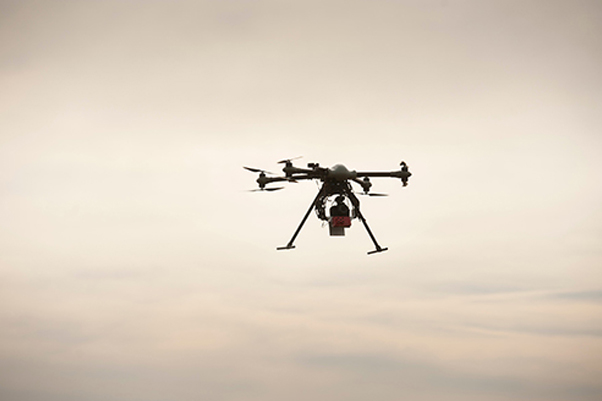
135	265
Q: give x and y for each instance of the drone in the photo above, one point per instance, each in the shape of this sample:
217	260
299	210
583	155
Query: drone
336	189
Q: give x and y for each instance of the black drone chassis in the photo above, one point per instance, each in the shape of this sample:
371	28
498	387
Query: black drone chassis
335	182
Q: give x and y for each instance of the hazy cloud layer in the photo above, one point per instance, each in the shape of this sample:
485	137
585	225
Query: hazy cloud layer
134	266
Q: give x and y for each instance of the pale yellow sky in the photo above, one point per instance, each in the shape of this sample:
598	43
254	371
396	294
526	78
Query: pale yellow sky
134	266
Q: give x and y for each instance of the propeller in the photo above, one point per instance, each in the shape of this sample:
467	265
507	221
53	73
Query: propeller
265	189
256	170
373	194
289	160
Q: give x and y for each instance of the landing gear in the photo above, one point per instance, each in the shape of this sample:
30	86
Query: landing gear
329	189
356	204
290	243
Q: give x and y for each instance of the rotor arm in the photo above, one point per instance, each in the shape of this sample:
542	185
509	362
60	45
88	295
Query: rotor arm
275	179
403	174
357	180
395	174
299	177
291	170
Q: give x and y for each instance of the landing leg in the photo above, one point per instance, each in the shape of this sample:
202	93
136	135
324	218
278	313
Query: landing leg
290	243
356	204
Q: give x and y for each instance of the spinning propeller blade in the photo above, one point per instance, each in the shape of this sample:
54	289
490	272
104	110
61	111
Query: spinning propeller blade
265	189
373	194
289	160
256	170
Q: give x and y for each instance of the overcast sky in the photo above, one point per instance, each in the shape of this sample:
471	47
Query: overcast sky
135	266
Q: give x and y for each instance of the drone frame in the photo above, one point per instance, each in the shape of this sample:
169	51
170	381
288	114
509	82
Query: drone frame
335	181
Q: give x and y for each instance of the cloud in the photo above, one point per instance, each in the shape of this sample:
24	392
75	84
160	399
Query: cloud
541	329
389	376
583	296
133	267
476	288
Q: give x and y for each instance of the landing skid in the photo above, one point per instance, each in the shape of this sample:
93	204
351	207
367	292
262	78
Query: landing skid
313	204
377	250
356	203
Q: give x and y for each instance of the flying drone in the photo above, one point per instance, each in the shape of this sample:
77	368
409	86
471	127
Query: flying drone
336	183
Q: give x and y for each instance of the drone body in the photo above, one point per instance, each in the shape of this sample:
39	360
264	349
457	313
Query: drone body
335	182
